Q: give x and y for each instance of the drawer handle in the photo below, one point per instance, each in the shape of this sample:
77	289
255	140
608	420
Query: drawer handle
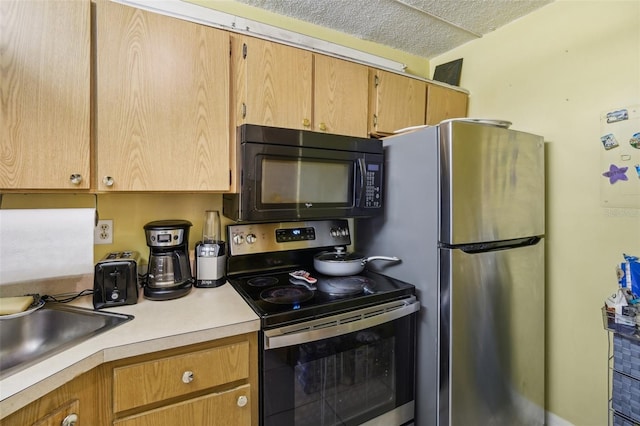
242	401
70	420
187	377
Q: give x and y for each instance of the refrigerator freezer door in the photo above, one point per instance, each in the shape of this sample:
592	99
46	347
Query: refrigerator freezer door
492	183
492	314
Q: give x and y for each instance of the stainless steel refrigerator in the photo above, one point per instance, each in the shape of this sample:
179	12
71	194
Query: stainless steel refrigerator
465	212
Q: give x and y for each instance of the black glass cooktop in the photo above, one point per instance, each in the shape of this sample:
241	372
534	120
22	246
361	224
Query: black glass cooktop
280	299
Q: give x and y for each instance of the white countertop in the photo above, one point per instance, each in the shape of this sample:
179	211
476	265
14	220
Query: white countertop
204	314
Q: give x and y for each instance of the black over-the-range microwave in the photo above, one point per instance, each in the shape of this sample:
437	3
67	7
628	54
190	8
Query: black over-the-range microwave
288	174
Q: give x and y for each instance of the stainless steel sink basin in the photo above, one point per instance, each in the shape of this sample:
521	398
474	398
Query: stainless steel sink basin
28	339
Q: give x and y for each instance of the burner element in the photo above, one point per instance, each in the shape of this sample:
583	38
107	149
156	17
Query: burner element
286	295
343	286
262	281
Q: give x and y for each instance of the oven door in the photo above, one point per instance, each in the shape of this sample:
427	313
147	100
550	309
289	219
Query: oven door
349	369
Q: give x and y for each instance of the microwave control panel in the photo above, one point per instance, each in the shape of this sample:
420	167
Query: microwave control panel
373	185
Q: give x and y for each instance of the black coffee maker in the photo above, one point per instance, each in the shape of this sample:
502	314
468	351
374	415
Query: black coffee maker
169	274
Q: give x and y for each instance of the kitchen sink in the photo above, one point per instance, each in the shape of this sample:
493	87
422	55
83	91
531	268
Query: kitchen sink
28	339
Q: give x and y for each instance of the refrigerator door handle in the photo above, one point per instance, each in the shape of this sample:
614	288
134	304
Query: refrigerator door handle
494	245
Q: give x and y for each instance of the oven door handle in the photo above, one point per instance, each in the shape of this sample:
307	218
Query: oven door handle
338	325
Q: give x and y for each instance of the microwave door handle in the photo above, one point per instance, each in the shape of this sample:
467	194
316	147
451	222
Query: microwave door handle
361	188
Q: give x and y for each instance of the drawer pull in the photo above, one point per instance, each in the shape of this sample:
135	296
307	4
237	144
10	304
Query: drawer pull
70	420
187	377
242	401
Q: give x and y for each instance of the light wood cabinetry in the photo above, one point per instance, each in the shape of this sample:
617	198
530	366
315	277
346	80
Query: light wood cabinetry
444	103
340	96
81	399
45	91
162	102
282	86
224	408
395	102
212	383
167	97
272	83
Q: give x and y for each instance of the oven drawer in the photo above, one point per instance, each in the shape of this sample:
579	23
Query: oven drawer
160	379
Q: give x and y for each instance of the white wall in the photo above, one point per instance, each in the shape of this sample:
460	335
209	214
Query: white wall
553	73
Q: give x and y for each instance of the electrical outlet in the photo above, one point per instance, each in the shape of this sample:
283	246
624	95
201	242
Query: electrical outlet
103	233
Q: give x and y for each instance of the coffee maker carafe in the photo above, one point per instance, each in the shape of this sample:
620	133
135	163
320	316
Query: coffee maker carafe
169	274
211	254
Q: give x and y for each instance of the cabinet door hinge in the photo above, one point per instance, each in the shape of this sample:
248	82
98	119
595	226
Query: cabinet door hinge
376	81
244	50
375	120
244	110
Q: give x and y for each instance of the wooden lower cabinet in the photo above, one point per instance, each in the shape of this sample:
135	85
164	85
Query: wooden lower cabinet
204	384
230	408
211	383
81	399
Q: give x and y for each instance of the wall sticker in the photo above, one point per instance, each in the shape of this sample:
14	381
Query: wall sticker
616	173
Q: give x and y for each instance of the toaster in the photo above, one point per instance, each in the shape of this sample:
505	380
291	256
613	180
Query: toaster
115	280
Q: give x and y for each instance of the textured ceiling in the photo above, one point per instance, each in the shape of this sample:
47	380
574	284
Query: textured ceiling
424	28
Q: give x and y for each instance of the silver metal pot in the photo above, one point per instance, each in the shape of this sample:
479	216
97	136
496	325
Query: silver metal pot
341	263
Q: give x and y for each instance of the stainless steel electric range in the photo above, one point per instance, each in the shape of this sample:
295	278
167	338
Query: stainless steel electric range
334	350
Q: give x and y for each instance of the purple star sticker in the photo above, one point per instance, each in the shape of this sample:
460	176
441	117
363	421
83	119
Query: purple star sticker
615	174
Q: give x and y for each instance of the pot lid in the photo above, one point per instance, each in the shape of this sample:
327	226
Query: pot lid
339	256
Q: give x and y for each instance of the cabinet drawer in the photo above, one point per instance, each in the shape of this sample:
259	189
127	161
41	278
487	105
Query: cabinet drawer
156	380
230	408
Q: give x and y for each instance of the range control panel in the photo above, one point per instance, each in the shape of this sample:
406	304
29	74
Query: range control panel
269	237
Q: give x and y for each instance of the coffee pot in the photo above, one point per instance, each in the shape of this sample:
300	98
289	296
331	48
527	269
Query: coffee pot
169	272
211	254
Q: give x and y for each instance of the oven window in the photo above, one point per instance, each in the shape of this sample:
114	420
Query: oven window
324	182
344	380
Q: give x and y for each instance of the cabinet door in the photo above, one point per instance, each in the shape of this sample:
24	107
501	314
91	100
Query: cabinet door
396	102
75	399
230	408
67	412
274	84
341	93
45	90
443	103
162	102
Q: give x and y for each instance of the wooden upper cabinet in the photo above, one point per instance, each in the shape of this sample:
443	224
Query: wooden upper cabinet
341	93
282	86
444	103
45	90
272	84
395	102
162	103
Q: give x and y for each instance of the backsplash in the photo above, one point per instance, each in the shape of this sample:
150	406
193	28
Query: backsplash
129	212
44	243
